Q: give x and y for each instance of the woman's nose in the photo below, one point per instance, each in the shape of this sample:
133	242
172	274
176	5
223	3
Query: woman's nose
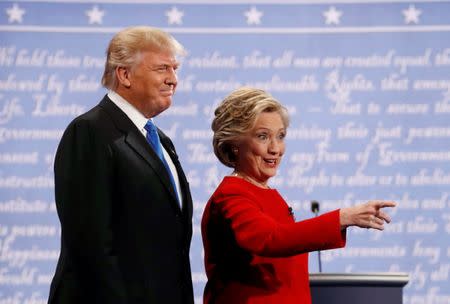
275	146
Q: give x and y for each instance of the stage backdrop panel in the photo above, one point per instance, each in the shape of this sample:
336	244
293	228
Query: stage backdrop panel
367	85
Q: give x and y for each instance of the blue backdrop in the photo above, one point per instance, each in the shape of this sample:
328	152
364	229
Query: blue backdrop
367	84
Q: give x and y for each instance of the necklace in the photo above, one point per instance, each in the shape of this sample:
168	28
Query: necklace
250	180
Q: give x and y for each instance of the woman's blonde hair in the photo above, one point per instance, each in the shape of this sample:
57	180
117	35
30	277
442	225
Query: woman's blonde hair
237	115
126	46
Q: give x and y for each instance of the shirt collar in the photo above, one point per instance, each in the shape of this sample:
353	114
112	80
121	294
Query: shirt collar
133	114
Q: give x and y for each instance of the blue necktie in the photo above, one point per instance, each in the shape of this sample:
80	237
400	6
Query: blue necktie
153	139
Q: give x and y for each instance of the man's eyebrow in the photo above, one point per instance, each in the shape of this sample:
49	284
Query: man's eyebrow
164	64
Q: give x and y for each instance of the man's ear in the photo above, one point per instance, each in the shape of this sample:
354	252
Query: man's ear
123	76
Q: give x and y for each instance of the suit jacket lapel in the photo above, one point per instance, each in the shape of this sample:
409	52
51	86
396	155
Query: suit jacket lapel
168	146
135	139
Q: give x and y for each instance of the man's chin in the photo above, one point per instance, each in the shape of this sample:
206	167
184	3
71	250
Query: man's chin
165	104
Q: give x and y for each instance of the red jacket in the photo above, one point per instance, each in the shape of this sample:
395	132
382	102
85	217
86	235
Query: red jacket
254	250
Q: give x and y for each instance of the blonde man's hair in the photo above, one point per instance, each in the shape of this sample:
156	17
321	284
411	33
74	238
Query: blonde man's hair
126	46
237	115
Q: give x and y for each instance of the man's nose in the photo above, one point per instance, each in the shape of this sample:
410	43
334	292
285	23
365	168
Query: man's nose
171	78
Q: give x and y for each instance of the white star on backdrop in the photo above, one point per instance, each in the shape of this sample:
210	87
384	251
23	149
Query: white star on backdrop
15	13
332	16
95	15
253	16
174	16
411	14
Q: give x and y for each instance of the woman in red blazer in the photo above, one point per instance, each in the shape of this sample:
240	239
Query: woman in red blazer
255	252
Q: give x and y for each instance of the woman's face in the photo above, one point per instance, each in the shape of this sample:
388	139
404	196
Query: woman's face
260	151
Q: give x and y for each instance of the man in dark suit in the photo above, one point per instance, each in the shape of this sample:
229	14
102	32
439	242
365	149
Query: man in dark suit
125	212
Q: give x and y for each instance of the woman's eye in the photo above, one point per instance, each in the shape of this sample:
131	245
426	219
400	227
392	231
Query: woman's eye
262	136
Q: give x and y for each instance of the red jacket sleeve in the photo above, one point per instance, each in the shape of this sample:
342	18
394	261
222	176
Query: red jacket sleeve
258	233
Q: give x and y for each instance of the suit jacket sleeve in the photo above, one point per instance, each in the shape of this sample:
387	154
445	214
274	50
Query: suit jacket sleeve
260	234
83	191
